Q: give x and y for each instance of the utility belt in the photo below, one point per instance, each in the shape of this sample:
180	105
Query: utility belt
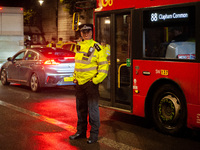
88	82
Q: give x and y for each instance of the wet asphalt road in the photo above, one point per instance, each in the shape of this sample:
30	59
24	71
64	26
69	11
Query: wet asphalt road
45	120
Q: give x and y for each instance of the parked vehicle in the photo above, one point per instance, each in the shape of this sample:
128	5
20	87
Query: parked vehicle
39	67
69	46
34	37
11	31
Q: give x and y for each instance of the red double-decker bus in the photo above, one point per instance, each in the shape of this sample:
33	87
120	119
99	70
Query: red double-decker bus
154	60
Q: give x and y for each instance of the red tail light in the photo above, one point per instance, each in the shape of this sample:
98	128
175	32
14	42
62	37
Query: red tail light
51	62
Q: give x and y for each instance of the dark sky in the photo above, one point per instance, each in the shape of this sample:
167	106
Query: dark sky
19	3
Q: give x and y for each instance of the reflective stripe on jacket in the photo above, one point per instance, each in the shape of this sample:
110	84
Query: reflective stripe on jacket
90	63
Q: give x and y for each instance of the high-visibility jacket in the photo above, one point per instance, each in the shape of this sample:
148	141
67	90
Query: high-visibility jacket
59	44
52	44
107	49
90	63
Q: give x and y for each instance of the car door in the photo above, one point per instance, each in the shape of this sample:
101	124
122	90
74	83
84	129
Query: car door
14	67
27	66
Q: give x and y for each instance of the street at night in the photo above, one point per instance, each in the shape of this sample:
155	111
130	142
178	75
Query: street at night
135	64
45	120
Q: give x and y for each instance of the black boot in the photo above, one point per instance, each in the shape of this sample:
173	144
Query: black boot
92	140
77	136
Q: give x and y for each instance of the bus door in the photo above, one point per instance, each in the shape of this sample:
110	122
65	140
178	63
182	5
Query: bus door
113	32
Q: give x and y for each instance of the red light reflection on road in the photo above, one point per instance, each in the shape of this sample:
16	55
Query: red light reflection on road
60	109
55	121
52	136
61	113
52	141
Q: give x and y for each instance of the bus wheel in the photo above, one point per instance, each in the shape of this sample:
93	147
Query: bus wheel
4	78
34	83
169	110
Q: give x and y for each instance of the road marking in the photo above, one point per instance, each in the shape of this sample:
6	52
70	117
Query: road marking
105	141
40	117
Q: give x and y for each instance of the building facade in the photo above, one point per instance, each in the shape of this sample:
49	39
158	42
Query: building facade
56	21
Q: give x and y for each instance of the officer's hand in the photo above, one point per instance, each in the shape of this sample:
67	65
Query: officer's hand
75	81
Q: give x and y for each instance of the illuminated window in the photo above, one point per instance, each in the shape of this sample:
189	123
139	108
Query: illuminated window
170	33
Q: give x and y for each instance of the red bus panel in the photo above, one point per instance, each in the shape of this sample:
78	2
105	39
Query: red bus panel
106	5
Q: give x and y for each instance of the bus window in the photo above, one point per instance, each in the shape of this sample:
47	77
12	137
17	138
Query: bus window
103	32
103	37
170	38
123	37
123	45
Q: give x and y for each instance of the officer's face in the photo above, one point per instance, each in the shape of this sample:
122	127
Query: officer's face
86	34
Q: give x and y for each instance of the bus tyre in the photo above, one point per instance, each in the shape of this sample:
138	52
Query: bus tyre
169	110
34	83
4	78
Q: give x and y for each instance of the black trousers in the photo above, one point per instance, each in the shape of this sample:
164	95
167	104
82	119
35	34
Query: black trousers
87	97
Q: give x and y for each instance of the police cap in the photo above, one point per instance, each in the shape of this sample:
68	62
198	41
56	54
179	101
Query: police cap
85	27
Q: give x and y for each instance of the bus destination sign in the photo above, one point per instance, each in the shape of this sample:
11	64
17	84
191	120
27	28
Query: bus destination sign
168	16
155	17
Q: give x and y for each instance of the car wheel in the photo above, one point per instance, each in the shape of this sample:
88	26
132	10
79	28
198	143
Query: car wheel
34	83
169	110
4	77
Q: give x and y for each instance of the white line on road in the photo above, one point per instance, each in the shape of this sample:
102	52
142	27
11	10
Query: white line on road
106	141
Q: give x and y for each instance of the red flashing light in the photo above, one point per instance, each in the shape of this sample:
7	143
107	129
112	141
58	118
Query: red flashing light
51	62
1	8
21	9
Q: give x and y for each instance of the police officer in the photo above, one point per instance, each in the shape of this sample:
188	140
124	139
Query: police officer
53	43
91	68
106	48
59	44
